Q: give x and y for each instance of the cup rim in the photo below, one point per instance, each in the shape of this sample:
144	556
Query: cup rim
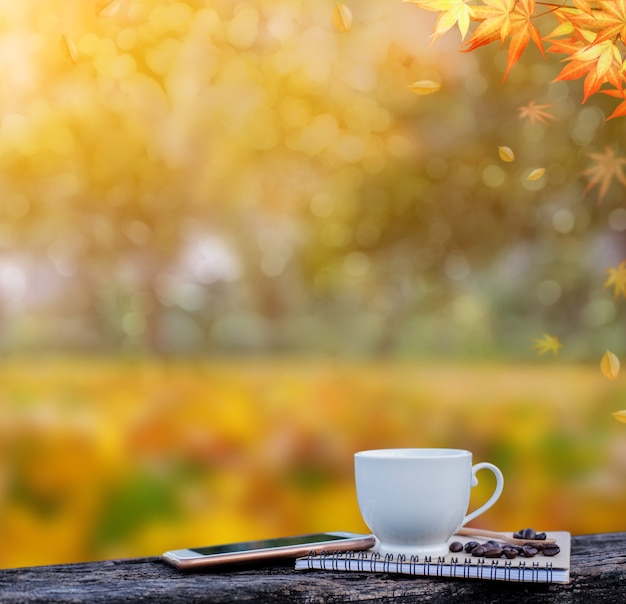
413	453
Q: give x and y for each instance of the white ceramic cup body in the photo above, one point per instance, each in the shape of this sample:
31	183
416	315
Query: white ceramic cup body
414	500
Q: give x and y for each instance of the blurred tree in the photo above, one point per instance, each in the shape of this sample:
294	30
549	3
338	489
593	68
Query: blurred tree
245	177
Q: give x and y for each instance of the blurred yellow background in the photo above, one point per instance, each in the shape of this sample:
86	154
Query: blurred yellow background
108	459
235	248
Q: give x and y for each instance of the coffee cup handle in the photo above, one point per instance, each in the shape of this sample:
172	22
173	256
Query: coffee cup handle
494	497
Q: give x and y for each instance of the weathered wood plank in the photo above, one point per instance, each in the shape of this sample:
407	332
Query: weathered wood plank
598	573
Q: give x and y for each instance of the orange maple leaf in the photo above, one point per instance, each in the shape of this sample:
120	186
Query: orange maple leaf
608	166
568	46
584	20
620	110
576	27
603	64
501	21
583	5
610	20
599	63
590	52
495	22
535	113
522	31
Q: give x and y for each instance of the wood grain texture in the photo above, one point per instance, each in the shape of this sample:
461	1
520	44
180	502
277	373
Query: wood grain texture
598	573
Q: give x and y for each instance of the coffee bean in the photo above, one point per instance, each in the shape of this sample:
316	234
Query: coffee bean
470	545
550	549
528	533
540	536
479	550
496	549
529	551
493	552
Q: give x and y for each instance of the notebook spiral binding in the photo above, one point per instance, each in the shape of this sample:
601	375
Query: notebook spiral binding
468	568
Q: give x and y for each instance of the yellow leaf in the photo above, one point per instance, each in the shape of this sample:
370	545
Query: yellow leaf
451	13
547	343
536	174
68	48
609	365
620	416
506	154
425	87
617	278
342	17
107	8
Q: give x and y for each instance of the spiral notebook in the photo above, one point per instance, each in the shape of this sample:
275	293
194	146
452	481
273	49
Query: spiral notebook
539	569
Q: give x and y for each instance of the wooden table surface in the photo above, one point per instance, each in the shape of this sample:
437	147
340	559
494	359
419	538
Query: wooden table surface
598	574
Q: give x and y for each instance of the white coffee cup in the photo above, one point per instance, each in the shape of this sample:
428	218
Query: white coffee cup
414	500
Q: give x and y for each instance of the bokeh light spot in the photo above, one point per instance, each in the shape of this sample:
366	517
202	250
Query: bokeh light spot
357	264
322	205
243	29
134	324
563	221
617	219
322	133
548	292
456	266
493	176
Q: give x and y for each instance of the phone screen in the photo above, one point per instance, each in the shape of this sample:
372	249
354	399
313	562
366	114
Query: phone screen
266	544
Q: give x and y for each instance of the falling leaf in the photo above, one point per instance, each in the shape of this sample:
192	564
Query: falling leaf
620	416
425	87
547	343
68	48
609	365
107	8
342	17
536	174
608	166
535	113
617	279
506	154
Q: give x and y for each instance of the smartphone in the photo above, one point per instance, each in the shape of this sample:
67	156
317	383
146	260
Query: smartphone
268	549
